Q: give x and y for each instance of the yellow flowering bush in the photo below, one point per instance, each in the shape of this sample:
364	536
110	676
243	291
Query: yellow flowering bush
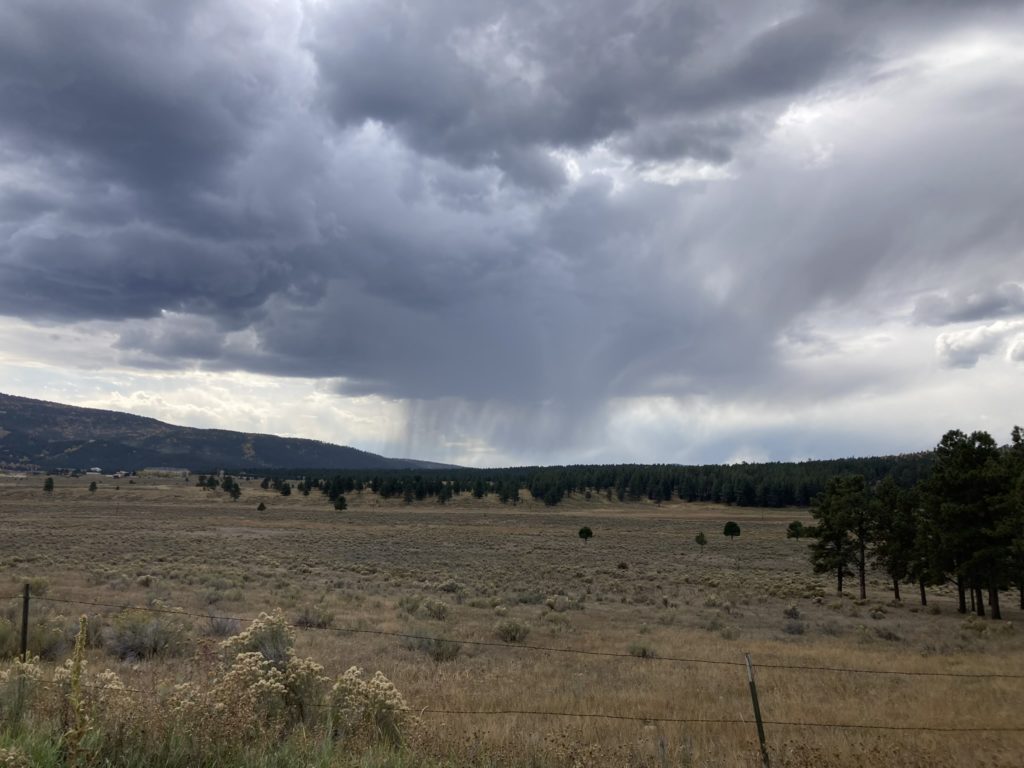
18	685
261	688
371	709
256	691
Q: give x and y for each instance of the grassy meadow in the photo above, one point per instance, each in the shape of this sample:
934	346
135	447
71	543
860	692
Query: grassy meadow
476	570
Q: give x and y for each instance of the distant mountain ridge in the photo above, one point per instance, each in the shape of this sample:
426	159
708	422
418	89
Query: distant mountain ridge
36	434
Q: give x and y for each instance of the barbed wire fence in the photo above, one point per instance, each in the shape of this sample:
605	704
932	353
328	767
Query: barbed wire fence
758	721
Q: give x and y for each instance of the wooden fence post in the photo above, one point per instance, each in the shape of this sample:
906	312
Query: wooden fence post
24	625
757	712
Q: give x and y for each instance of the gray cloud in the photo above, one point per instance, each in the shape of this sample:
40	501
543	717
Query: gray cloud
481	82
1016	351
999	301
453	205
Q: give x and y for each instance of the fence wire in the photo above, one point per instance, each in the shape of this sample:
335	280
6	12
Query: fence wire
55	684
542	648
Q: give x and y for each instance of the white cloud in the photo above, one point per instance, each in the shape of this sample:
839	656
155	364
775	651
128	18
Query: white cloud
963	349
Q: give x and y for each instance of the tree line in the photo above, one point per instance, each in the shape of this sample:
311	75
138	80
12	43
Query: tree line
770	484
962	523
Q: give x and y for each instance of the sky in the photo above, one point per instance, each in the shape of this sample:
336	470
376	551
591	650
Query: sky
495	233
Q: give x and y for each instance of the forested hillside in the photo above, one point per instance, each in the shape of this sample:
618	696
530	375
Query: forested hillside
35	434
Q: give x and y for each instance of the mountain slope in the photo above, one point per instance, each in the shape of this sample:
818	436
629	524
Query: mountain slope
36	433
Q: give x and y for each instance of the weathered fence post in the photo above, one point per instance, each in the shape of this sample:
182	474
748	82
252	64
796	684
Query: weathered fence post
24	625
757	712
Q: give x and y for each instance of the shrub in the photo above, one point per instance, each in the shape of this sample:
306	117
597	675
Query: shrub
511	631
450	585
887	634
792	612
48	638
527	598
269	635
795	530
137	635
409	603
262	671
38	586
558	603
729	632
437	648
18	686
435	609
314	617
371	710
793	628
586	534
247	698
10	639
221	626
830	628
642	651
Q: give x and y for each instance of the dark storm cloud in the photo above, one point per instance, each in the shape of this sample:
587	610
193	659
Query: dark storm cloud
134	273
137	92
476	82
378	193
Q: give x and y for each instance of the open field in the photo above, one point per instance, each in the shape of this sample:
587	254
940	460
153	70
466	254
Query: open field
641	588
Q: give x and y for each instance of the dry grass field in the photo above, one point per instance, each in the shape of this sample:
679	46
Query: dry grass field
476	570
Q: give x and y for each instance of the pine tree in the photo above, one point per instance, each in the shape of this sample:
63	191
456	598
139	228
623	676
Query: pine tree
833	551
